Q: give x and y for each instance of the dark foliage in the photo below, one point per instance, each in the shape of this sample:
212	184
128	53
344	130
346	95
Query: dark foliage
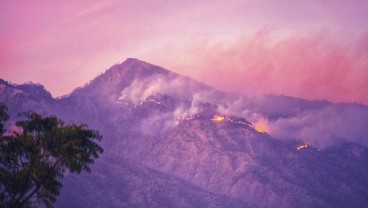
3	117
35	158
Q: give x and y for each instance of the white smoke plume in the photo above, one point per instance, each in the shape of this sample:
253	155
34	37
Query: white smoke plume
317	123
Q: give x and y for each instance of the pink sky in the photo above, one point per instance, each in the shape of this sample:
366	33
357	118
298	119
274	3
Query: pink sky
311	49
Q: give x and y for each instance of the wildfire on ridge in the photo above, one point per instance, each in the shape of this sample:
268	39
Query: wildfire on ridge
146	101
150	100
179	119
218	118
262	125
259	129
302	146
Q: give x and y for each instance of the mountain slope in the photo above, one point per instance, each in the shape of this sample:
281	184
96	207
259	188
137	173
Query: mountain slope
125	183
25	97
170	140
233	159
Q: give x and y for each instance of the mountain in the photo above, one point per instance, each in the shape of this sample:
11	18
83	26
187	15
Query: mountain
171	141
124	183
25	97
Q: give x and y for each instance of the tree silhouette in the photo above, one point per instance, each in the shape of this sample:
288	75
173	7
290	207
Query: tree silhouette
35	158
3	117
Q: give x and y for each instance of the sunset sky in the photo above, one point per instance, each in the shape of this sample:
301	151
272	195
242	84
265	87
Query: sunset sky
315	49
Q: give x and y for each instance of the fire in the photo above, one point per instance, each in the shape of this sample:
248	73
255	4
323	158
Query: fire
218	118
153	101
259	129
302	146
261	125
148	100
179	119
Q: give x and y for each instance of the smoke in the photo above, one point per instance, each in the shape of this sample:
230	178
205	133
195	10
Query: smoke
187	98
188	95
156	124
171	85
325	126
318	123
312	65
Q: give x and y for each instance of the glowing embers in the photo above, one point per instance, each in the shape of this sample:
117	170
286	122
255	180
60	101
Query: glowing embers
259	129
261	126
302	146
188	118
218	118
149	100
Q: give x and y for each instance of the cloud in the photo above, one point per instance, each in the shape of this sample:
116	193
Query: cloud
67	43
319	65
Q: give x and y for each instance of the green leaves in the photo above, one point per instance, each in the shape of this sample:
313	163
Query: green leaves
34	160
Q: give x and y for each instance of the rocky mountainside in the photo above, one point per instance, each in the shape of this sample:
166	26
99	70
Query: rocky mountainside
171	141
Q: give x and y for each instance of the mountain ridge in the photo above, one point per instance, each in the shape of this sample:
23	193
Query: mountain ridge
236	149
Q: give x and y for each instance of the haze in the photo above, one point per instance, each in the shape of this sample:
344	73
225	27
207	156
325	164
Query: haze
310	49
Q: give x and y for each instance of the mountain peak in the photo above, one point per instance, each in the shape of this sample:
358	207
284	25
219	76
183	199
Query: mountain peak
121	75
168	137
134	60
132	68
137	66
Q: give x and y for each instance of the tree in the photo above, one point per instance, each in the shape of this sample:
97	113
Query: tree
35	159
3	117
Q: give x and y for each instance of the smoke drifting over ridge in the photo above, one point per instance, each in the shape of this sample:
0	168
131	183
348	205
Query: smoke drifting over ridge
187	94
325	126
180	88
317	123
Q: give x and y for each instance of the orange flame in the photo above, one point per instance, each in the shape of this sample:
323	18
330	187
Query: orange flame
218	118
259	129
302	146
261	126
